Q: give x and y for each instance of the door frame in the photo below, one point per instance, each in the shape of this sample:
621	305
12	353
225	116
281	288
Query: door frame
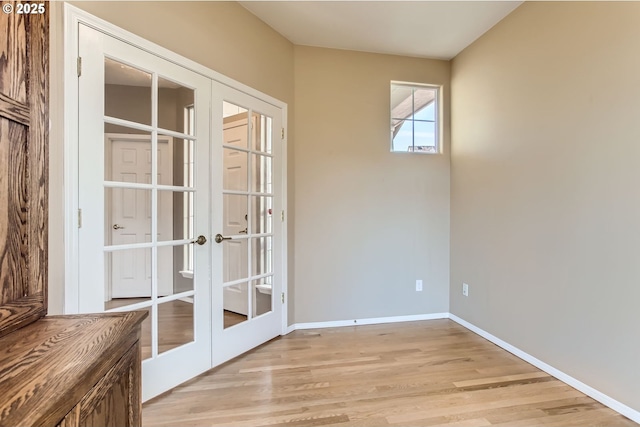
73	16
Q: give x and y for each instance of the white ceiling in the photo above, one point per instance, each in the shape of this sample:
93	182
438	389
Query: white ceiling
428	29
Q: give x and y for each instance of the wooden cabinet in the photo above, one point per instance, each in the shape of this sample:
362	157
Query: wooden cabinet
59	370
72	371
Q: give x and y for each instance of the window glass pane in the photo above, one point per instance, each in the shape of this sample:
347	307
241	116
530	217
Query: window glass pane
262	261
235	304
261	214
235	255
173	98
173	277
235	214
402	136
175	215
427	113
421	98
401	102
175	324
127	216
127	92
127	155
235	170
262	133
183	173
261	182
127	277
424	134
229	110
262	298
235	120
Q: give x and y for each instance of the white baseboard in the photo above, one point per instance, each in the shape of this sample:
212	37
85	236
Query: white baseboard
369	321
567	379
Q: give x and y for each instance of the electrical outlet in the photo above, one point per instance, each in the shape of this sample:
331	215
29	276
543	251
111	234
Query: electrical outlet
418	285
465	289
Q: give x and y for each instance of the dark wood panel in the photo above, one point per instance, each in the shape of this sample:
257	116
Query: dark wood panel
13	110
38	154
109	403
13	56
24	85
14	231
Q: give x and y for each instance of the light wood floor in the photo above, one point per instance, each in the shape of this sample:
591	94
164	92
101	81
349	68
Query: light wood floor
406	374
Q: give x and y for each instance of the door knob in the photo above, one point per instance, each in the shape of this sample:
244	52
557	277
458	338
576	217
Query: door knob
201	240
219	238
118	227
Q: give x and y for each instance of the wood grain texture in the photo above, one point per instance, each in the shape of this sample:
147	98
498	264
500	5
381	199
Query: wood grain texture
51	366
13	56
428	373
14	232
38	170
24	123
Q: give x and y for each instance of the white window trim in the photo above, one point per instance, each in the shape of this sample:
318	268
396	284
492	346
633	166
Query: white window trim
438	116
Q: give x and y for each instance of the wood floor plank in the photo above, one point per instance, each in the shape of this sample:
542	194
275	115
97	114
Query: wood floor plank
418	373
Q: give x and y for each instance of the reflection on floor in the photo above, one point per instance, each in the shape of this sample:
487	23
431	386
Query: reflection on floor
231	318
175	323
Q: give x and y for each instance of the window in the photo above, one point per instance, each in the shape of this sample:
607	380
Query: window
415	124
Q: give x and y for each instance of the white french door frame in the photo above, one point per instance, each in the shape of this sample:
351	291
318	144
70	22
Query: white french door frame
73	17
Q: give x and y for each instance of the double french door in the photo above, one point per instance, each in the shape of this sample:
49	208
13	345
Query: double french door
179	197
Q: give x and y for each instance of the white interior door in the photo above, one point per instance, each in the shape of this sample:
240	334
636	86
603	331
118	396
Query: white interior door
247	206
129	213
143	98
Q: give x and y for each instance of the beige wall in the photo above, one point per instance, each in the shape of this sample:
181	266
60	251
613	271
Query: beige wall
368	222
220	35
545	203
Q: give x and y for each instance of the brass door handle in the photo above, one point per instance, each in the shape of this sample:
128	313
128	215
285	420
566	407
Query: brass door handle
201	240
117	227
219	238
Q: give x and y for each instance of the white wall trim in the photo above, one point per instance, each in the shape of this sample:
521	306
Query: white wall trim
567	379
369	321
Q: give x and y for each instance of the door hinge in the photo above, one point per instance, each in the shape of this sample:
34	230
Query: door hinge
282	297
282	133
282	216
79	218
79	66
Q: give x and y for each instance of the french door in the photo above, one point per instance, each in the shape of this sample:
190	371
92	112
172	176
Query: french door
247	248
180	208
144	198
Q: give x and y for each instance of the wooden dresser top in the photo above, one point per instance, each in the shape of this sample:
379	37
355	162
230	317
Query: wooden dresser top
47	366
